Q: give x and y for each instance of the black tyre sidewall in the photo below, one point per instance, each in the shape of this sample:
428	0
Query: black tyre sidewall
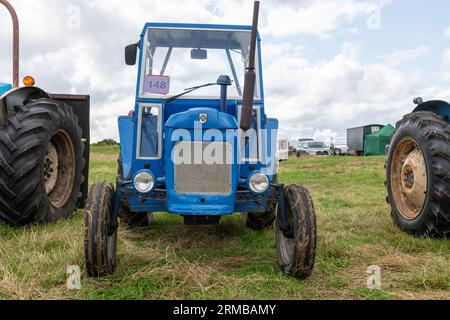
53	213
298	267
419	225
97	223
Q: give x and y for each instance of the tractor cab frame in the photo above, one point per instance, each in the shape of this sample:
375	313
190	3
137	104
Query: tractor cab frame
144	149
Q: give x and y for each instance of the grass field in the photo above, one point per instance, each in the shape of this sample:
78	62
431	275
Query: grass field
171	261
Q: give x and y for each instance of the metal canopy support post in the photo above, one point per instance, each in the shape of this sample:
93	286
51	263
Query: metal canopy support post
15	21
233	70
166	61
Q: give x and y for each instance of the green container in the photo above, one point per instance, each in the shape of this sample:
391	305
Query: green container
375	143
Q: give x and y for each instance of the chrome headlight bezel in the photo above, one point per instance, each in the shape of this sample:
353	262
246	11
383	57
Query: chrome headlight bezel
261	179
144	181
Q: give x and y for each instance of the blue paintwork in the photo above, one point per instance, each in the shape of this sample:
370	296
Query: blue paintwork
192	204
181	114
126	124
4	87
436	106
216	120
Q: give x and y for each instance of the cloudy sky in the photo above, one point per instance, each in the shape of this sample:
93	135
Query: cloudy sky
328	64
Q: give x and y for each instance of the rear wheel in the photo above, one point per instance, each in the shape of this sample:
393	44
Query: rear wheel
100	243
418	180
297	241
41	163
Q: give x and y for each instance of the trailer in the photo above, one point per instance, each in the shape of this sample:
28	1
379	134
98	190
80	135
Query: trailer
356	138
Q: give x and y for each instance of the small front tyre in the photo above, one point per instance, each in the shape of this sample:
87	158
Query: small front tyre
100	243
296	241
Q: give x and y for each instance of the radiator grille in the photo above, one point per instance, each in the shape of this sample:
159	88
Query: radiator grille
198	171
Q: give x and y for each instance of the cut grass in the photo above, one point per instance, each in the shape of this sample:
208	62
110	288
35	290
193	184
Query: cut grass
171	261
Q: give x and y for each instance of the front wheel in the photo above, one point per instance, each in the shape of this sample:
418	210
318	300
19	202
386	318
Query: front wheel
100	243
296	241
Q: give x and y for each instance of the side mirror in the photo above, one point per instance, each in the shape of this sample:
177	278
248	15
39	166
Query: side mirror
131	53
199	54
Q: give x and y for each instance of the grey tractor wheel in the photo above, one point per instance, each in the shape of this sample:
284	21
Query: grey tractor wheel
260	221
297	242
41	163
100	245
418	180
131	219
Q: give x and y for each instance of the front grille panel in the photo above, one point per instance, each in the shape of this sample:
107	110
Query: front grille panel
203	168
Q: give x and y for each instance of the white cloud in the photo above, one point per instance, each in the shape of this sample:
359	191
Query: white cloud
319	18
447	33
336	94
403	56
446	65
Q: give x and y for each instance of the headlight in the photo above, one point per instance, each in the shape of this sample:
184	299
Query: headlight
144	182
259	183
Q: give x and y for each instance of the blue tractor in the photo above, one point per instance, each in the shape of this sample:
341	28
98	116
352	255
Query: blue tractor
200	152
418	170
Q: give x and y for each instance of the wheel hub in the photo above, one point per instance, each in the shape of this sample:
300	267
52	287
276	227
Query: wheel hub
59	169
409	179
413	179
50	168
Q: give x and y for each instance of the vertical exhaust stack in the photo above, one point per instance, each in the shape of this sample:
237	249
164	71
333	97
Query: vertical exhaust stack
15	21
250	76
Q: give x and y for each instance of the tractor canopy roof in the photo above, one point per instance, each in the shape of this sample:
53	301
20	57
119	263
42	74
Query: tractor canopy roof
177	35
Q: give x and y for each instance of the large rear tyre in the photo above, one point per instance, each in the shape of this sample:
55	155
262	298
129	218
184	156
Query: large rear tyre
297	241
41	163
418	180
100	244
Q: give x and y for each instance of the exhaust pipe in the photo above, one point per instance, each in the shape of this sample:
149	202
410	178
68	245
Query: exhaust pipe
250	76
15	21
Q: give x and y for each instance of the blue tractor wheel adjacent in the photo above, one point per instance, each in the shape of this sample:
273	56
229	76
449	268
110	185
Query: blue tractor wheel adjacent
296	238
418	181
100	242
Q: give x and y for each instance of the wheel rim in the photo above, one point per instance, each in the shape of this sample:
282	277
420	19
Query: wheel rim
59	169
286	248
409	178
287	245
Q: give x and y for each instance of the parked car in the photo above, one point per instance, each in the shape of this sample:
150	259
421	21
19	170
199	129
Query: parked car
313	149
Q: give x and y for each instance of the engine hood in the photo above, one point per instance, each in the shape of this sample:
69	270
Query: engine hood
213	119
